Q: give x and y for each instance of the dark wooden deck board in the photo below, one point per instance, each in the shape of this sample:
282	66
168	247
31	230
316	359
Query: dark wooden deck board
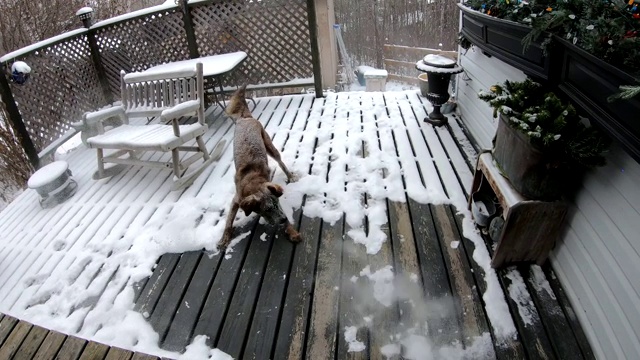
186	317
71	348
244	298
171	299
12	343
94	351
31	343
50	346
323	328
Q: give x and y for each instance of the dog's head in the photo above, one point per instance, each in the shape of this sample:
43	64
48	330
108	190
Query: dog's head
238	107
265	203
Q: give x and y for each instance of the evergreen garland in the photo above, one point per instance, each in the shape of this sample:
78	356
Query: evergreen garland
551	125
608	29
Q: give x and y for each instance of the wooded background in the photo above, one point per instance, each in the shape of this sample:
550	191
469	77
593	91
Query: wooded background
369	24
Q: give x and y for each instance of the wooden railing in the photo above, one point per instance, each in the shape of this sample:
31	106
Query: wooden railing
400	61
79	71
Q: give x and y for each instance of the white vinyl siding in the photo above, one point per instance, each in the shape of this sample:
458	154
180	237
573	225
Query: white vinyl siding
598	256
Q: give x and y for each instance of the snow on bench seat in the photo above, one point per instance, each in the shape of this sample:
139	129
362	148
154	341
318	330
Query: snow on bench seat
156	137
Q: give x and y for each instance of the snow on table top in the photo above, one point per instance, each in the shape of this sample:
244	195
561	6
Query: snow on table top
375	73
211	65
47	174
95	246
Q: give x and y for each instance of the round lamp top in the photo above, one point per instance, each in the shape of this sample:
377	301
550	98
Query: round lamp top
84	10
439	61
47	174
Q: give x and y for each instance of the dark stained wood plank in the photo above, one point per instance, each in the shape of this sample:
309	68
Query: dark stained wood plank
264	325
470	313
572	319
50	346
155	285
385	319
71	348
118	354
293	324
508	348
14	340
536	342
433	272
323	327
561	336
6	325
94	351
141	356
406	264
240	313
31	343
354	259
171	298
179	334
214	311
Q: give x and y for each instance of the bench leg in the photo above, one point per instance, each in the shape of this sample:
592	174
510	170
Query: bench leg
202	147
100	163
175	154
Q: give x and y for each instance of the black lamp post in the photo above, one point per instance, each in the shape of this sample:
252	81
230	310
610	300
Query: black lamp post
439	70
85	14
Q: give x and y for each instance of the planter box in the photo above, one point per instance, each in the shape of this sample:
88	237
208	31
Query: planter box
526	167
503	39
588	82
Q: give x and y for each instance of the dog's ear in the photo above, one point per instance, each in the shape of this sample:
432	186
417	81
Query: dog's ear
249	204
275	189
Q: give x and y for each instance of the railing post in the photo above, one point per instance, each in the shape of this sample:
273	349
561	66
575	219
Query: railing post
315	52
16	120
85	14
188	28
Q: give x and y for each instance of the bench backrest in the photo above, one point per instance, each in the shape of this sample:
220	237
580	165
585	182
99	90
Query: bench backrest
149	93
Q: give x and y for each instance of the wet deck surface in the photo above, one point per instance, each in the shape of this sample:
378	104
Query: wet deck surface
274	300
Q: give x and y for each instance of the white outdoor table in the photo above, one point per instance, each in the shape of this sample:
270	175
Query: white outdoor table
214	68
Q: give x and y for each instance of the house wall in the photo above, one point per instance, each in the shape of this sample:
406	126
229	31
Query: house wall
598	256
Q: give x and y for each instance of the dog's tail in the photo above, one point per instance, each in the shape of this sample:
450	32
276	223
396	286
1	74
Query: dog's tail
238	107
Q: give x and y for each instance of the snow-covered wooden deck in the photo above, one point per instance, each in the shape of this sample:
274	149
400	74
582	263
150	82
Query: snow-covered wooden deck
390	263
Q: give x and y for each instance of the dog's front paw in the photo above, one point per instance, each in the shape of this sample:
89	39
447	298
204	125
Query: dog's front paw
293	235
292	178
222	245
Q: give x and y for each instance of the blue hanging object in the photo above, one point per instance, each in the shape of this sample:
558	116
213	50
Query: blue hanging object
20	72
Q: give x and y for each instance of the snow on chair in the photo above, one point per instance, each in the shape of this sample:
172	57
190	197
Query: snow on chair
171	95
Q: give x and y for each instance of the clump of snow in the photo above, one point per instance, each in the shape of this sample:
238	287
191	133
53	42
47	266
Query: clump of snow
383	289
519	294
350	333
454	244
198	350
418	347
390	350
539	281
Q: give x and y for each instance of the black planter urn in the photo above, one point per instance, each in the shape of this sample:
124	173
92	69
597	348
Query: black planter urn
439	70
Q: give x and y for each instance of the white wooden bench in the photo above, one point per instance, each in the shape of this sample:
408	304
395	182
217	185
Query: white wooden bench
170	95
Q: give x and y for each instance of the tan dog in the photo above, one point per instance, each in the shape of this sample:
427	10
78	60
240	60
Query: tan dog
254	191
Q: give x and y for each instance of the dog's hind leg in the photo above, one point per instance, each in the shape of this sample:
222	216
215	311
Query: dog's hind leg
228	228
275	154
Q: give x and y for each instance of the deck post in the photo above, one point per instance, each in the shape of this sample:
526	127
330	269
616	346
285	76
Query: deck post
188	28
16	119
315	49
325	19
96	58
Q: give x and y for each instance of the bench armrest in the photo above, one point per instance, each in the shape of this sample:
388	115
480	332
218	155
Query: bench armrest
91	118
183	109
